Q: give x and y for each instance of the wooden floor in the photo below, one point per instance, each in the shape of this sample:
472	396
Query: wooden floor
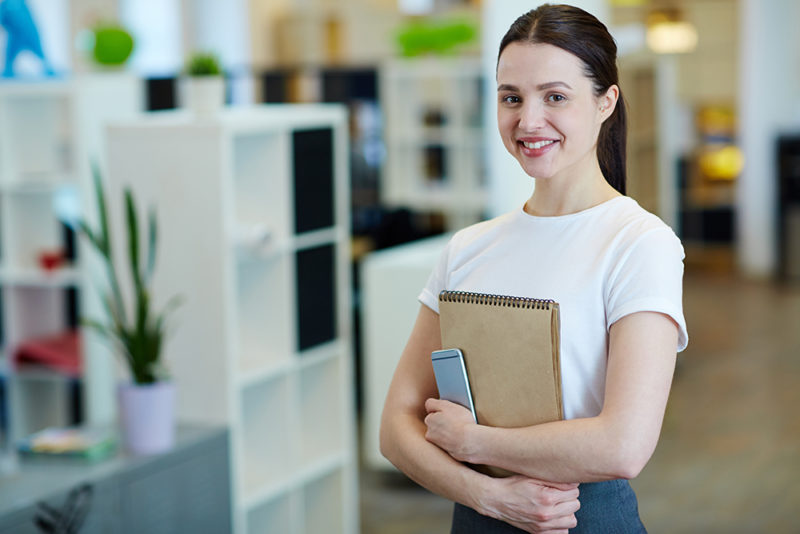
729	456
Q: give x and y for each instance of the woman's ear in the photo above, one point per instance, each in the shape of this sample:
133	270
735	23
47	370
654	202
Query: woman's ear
608	102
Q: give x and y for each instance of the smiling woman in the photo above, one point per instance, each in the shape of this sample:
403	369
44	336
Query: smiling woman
616	271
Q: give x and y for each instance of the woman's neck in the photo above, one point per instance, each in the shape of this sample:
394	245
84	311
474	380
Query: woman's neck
563	195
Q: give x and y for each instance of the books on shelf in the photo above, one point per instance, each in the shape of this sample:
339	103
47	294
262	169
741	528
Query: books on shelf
75	442
61	352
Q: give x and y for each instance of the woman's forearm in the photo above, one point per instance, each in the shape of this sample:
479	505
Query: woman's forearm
588	450
585	450
403	443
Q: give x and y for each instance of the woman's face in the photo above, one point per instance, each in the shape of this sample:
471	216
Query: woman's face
547	113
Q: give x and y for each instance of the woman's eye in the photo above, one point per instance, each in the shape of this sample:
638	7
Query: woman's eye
510	99
556	98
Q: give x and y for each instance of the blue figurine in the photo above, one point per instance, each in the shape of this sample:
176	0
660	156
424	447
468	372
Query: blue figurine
16	18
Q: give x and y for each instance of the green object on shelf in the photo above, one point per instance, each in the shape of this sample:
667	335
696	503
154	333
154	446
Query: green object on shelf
71	442
203	64
113	44
139	337
435	37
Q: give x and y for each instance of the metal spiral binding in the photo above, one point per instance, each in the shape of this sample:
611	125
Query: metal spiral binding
495	300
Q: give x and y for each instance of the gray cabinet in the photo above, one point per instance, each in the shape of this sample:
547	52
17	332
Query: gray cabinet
184	490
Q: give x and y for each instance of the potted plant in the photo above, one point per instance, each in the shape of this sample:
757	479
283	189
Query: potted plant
204	85
136	331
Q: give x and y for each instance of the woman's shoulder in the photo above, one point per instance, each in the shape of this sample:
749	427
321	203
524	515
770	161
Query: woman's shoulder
633	220
637	231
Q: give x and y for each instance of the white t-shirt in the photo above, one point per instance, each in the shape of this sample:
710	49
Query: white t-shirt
599	264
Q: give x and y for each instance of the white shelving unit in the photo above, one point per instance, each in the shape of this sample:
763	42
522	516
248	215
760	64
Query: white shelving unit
39	152
49	131
253	209
434	139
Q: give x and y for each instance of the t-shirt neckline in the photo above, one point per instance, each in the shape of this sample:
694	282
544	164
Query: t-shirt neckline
582	213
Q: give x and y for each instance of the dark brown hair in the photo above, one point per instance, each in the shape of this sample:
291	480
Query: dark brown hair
581	34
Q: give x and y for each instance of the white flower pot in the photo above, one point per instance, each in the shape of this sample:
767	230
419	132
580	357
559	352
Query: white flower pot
204	96
147	417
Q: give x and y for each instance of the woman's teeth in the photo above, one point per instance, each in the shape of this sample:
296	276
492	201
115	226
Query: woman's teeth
538	144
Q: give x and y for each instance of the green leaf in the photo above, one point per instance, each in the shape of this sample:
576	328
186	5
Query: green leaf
90	235
100	328
102	210
133	239
151	246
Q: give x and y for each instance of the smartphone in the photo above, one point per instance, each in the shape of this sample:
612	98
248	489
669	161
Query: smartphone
451	378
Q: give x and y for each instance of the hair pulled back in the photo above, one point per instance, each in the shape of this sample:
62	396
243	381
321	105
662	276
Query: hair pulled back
581	34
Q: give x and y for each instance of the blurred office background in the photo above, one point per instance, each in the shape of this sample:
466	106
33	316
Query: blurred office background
405	134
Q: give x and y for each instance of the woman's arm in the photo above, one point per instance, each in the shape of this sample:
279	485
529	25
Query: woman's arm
526	503
615	444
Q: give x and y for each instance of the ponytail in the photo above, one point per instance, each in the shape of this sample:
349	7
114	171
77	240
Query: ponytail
611	146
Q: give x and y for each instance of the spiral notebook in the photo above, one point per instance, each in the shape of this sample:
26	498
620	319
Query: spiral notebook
511	348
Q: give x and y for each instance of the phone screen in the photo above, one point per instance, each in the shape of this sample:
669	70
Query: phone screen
451	378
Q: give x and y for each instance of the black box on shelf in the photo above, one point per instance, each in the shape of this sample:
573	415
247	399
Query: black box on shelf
314	201
316	296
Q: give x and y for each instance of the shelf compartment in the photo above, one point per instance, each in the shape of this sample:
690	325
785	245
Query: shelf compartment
323	504
263	301
261	196
37	137
34	312
274	517
32	229
38	404
322	411
267	452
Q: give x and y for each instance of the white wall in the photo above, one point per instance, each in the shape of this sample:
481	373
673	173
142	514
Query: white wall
156	28
219	27
769	102
509	186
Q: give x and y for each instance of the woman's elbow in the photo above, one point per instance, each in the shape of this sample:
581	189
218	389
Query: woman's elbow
631	457
629	468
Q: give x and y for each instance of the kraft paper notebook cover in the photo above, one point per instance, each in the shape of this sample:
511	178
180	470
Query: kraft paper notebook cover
511	349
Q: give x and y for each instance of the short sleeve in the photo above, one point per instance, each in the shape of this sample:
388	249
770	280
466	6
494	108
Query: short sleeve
436	281
649	277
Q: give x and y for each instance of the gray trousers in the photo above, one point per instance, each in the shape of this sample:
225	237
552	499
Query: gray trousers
606	508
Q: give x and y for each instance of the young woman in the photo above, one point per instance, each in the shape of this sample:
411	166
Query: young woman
616	271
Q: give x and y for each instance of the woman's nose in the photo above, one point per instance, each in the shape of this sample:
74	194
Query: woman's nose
531	116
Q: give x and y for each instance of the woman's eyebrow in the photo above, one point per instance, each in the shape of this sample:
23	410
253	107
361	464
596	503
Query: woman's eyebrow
550	85
540	87
507	87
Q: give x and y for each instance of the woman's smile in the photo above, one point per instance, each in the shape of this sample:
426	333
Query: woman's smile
536	147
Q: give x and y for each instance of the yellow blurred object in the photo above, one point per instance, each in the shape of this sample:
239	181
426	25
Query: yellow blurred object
669	33
716	120
724	163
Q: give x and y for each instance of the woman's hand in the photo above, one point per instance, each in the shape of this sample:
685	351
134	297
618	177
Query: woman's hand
448	426
532	505
529	504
